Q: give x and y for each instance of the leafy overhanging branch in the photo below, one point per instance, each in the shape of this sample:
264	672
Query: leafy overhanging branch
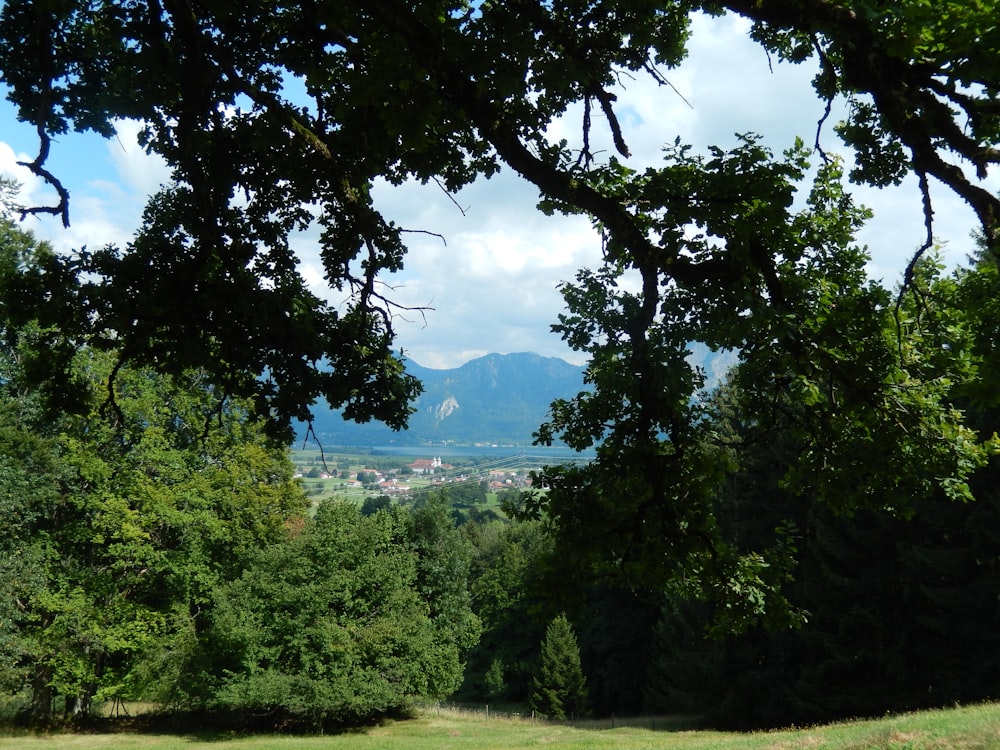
915	96
447	91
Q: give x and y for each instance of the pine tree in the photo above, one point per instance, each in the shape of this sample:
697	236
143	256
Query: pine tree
559	688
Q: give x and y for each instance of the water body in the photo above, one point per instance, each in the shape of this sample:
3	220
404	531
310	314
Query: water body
541	454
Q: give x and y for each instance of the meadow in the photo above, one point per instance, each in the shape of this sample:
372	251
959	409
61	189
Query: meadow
963	728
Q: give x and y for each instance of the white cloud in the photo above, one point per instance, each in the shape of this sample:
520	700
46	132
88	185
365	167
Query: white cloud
493	286
142	173
92	221
107	194
32	187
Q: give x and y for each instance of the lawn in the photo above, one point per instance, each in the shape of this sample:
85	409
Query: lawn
966	728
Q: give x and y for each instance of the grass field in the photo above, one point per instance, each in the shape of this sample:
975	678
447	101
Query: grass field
967	728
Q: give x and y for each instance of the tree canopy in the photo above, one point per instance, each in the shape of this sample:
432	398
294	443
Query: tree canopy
158	547
273	117
277	117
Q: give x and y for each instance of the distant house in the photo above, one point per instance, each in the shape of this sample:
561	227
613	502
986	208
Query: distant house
428	465
392	486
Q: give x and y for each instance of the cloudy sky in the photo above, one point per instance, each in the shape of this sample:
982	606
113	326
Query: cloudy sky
491	285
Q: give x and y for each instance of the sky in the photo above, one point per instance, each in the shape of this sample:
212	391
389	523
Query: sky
491	284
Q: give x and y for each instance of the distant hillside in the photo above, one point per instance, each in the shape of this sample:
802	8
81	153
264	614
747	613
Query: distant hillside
499	398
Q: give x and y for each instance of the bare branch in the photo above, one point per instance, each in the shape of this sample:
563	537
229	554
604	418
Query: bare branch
450	197
428	232
911	267
825	63
662	80
310	432
37	168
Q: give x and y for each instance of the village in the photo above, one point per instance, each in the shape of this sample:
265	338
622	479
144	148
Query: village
358	476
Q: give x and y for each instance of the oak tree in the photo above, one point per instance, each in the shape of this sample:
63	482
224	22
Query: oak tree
273	118
277	117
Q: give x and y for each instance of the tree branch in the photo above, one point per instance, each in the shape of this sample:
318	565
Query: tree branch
37	166
905	93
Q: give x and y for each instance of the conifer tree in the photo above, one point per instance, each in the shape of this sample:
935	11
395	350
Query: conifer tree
559	688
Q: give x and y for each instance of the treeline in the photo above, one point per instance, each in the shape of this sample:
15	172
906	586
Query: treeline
156	550
891	612
156	547
886	601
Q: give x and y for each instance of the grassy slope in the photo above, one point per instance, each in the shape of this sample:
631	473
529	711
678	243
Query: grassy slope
968	728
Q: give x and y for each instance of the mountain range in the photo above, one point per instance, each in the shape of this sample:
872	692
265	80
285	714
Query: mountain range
495	399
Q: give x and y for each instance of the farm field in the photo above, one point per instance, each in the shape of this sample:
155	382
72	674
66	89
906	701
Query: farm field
965	728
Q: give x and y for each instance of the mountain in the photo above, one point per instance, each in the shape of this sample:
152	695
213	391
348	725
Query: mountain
498	398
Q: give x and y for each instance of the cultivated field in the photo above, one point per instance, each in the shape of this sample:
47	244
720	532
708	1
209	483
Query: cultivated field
967	728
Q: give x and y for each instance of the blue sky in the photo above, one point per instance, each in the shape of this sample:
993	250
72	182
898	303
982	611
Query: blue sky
493	287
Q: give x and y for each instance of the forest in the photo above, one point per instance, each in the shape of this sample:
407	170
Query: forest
158	549
814	538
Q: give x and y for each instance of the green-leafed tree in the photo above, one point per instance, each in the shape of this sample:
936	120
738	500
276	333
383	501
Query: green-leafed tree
559	688
615	632
894	597
442	582
373	505
326	629
29	485
125	513
810	329
508	597
450	91
440	90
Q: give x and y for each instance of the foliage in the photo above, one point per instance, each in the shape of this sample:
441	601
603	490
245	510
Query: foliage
559	688
373	505
124	516
335	626
129	540
275	121
157	547
874	420
442	583
278	119
511	601
896	611
616	628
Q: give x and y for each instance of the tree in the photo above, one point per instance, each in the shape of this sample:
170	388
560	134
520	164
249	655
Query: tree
615	631
123	515
897	615
559	688
872	413
28	486
442	582
510	600
373	505
448	91
443	90
329	628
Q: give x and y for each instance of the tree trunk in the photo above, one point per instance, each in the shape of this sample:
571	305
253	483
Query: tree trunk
39	711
